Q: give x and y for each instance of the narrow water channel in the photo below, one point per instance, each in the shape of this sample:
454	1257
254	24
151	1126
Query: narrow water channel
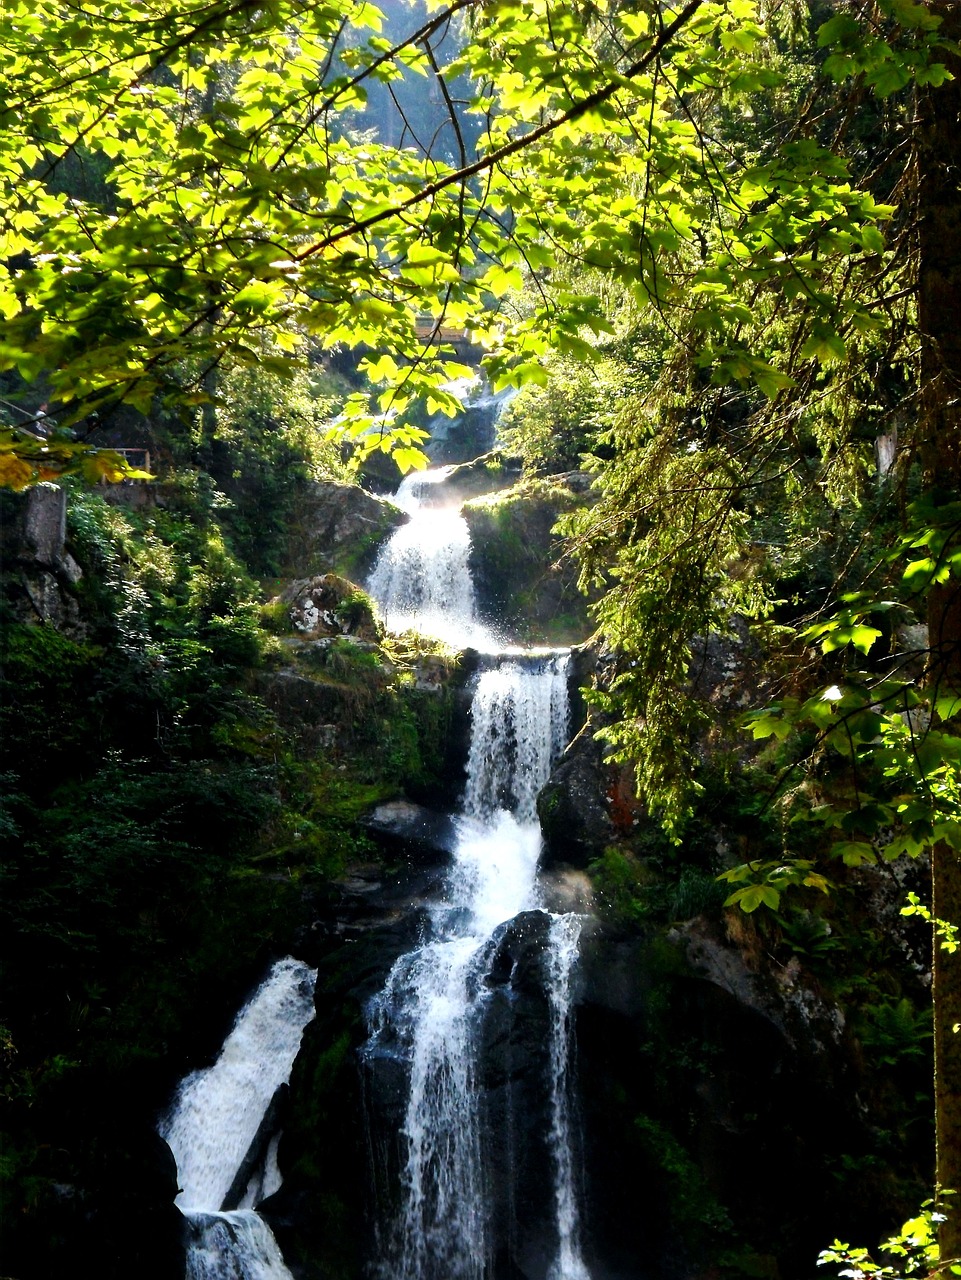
431	1013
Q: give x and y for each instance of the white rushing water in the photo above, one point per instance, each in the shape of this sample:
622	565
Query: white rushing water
519	728
564	936
430	1013
421	578
214	1125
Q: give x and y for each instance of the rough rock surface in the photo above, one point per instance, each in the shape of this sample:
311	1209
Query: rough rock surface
588	802
328	605
340	528
698	1040
585	805
470	434
489	473
406	827
521	575
41	573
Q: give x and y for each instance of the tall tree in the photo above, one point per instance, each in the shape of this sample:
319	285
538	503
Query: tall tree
939	310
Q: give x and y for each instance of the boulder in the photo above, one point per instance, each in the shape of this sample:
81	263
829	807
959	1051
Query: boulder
328	605
412	830
339	528
44	524
514	1074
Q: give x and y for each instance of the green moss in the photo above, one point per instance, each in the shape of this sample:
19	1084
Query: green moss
696	1215
275	617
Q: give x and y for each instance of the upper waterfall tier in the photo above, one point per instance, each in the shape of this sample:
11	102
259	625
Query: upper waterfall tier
421	579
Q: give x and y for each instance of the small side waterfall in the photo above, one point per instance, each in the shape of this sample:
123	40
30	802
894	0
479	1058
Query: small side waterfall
219	1130
427	1025
564	936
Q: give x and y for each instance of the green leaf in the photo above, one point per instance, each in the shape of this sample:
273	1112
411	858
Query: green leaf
824	344
764	724
838	29
948	705
889	78
854	853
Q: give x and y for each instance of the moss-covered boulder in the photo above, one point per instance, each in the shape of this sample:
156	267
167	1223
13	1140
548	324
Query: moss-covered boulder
523	576
325	605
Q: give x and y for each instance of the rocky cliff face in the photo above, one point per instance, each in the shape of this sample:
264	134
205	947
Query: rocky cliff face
40	573
723	1086
729	1113
339	528
523	577
713	1047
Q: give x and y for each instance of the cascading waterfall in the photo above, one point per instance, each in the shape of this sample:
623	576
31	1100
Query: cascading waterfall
226	1163
429	1018
519	729
421	578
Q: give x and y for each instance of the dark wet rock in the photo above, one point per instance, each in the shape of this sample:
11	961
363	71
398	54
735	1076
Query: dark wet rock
253	1163
514	1074
413	830
703	1064
339	528
328	1151
590	802
586	804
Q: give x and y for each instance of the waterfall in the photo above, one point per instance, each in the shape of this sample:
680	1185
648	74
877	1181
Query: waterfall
421	578
564	936
427	1024
218	1128
519	728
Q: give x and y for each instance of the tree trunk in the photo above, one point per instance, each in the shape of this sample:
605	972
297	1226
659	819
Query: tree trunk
939	319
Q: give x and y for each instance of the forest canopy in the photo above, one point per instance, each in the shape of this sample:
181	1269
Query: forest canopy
189	187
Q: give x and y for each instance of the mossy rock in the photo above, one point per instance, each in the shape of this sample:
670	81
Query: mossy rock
339	528
523	577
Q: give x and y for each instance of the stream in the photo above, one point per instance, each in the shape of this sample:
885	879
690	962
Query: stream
448	1163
